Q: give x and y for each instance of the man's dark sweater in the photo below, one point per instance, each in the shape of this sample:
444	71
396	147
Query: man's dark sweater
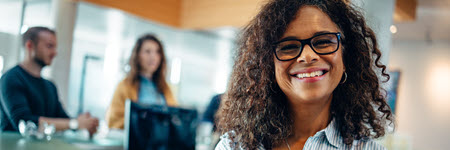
25	97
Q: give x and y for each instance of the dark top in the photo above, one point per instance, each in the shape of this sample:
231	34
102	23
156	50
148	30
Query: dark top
24	97
212	109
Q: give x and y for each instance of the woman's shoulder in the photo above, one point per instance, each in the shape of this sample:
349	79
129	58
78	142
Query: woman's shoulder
226	143
126	89
125	83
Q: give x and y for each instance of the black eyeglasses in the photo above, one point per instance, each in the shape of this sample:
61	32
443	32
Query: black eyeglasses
321	44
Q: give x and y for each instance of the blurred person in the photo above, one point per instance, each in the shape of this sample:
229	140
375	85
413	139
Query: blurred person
305	77
25	95
145	83
211	110
208	125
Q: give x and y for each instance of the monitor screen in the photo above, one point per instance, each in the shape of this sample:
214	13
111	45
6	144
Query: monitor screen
155	127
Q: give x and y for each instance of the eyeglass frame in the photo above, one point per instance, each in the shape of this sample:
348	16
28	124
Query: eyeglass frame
308	42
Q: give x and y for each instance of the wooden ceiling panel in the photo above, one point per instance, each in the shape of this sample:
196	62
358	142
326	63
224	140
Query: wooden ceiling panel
405	10
164	11
217	13
204	14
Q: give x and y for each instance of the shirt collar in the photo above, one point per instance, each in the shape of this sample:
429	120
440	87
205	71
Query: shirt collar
332	134
144	79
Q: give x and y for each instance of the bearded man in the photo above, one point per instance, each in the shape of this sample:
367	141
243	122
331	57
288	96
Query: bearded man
25	95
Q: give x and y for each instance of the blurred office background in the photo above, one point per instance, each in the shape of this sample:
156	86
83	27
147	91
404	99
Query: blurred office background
95	39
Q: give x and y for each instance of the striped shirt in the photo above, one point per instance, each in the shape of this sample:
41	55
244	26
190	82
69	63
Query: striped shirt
326	139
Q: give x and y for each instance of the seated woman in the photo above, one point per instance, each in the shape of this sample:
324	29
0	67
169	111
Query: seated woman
145	83
305	77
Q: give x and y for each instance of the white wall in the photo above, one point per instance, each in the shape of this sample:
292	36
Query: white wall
9	31
423	104
379	22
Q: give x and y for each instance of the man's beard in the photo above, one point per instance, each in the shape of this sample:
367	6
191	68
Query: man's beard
39	61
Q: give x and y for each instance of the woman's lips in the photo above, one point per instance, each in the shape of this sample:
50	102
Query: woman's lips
310	75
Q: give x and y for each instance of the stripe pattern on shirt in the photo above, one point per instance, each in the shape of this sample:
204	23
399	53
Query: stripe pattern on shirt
326	139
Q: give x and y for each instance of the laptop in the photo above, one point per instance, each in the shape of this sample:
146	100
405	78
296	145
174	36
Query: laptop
156	127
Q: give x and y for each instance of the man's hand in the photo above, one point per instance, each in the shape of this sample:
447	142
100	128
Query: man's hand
85	121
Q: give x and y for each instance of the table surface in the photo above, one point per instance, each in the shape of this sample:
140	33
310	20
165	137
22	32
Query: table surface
14	141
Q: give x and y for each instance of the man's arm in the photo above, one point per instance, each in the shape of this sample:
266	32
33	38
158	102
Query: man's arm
60	113
16	107
60	123
15	104
85	121
62	120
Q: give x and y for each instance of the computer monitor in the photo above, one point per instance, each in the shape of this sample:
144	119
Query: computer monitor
155	127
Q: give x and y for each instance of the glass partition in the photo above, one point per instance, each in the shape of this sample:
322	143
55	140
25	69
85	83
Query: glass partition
199	62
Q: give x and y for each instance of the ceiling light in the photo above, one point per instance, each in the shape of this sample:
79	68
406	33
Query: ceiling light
393	29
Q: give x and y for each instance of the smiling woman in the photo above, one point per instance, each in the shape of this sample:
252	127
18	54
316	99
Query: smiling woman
305	78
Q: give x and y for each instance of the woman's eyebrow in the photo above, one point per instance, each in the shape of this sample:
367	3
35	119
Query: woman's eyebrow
321	32
295	38
289	38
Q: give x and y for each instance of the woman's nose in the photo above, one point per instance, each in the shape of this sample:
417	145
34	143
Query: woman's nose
308	55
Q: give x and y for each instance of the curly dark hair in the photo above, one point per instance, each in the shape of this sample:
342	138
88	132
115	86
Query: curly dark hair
257	110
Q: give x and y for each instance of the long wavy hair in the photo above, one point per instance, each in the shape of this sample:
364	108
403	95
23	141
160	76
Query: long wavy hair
158	76
257	110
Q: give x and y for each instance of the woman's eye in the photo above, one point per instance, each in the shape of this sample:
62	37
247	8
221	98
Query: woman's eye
289	47
322	42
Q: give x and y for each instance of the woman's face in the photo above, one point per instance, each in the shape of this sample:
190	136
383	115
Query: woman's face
290	75
149	56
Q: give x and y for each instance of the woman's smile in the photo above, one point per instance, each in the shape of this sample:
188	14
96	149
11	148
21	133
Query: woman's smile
310	75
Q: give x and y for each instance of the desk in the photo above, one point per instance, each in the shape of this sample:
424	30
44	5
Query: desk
14	141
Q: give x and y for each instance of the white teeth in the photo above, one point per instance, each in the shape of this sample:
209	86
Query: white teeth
308	75
311	74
